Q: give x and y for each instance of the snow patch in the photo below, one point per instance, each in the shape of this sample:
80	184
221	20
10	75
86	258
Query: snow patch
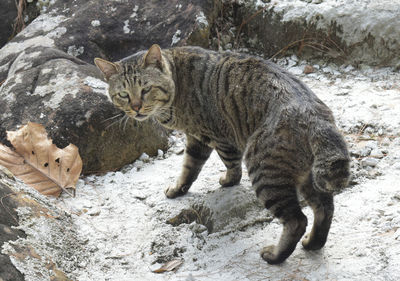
202	20
176	37
95	23
126	28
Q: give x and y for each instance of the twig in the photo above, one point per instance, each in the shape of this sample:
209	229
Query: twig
246	21
5	208
19	20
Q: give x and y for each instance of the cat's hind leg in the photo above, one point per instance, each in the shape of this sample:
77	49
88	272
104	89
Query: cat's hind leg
232	159
323	207
196	154
272	169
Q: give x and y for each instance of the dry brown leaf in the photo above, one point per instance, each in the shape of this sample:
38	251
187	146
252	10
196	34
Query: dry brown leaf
40	163
169	266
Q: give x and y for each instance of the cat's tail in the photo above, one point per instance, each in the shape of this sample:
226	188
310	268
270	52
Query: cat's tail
331	167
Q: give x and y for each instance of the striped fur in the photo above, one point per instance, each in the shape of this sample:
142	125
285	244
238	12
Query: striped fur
244	108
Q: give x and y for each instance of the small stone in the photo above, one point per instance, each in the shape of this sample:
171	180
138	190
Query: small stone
160	154
296	70
145	158
365	151
95	23
396	165
377	153
138	164
308	69
397	234
385	141
369	162
94	212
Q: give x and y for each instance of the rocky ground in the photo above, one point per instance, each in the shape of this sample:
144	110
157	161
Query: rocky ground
120	226
127	227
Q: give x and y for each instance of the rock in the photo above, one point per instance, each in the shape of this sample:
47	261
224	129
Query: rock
365	151
160	154
369	162
145	158
41	228
8	219
369	35
116	29
49	77
308	69
377	153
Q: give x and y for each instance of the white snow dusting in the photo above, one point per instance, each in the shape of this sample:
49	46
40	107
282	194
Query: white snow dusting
176	37
123	214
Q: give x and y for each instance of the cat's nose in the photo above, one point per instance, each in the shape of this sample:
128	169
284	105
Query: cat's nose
136	106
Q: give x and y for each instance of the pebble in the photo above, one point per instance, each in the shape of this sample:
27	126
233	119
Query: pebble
397	234
396	166
138	164
365	151
160	154
308	69
377	153
369	162
145	158
94	212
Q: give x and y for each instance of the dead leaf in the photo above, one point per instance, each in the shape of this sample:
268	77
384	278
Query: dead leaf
169	266
40	163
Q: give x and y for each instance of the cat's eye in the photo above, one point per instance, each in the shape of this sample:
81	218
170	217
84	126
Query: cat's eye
145	91
123	94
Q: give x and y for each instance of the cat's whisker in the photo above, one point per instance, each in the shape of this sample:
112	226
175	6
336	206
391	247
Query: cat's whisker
112	117
113	123
121	122
126	122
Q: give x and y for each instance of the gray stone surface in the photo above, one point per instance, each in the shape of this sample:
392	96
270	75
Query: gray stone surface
355	32
8	219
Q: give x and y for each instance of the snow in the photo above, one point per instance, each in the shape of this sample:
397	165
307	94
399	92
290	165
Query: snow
95	23
123	214
176	37
126	28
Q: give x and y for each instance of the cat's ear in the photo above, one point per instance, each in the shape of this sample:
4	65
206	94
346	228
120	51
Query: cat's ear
108	68
153	57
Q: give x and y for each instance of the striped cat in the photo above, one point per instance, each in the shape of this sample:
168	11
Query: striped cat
245	108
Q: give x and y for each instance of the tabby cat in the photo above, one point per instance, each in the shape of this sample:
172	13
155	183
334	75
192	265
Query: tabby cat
246	108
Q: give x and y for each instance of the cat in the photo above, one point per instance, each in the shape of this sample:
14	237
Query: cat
245	108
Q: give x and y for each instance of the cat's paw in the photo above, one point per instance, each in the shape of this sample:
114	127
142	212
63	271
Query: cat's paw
312	244
230	179
268	254
176	191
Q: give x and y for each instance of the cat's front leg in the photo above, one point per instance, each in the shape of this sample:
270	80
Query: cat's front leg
196	154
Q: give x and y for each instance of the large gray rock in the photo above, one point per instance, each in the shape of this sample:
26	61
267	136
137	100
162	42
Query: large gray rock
355	32
49	77
8	220
42	229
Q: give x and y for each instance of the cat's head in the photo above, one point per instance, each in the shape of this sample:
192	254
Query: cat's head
140	85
